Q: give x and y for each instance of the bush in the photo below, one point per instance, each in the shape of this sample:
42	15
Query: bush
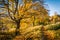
53	26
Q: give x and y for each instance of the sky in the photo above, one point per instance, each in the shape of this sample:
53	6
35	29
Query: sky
54	6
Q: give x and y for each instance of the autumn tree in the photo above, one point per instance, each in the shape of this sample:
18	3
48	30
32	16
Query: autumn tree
27	9
16	12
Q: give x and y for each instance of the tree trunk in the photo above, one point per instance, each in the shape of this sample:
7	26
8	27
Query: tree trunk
34	21
17	28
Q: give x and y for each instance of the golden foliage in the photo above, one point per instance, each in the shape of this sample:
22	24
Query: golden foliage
50	34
